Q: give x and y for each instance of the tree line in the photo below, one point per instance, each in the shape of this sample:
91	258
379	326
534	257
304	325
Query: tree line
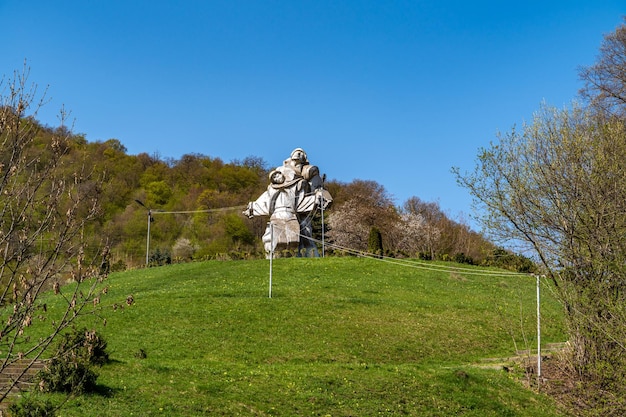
194	207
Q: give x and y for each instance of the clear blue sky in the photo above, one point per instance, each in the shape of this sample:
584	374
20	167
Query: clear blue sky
392	91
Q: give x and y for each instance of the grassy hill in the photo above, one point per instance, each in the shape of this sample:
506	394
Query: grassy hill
339	337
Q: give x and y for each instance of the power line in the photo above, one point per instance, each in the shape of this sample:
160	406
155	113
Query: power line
199	211
411	263
414	263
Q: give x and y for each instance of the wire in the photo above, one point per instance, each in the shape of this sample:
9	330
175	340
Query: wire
412	263
415	263
199	211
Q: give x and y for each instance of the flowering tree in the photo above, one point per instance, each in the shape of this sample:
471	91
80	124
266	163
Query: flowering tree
414	236
347	228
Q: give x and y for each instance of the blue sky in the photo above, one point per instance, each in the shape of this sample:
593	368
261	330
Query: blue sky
392	91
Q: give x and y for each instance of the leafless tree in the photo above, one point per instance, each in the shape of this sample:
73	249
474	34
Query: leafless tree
47	200
605	81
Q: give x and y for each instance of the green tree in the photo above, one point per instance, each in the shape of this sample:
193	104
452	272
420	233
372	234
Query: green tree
237	229
558	187
375	241
158	192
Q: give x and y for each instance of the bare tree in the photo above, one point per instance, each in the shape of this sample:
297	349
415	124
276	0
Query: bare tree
558	187
47	200
605	81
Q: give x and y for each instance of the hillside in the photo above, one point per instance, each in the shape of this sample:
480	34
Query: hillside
191	208
340	336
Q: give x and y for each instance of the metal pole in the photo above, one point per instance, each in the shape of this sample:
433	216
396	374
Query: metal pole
322	198
538	332
271	255
323	227
148	239
148	235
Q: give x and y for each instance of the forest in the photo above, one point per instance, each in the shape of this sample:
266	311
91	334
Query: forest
193	207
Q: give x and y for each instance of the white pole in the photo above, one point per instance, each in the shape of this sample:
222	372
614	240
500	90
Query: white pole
148	239
271	254
322	199
538	332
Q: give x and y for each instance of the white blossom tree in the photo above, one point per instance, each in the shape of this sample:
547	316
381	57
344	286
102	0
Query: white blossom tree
347	228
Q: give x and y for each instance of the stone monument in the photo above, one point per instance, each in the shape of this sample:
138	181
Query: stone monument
295	191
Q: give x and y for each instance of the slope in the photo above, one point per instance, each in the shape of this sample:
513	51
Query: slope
340	336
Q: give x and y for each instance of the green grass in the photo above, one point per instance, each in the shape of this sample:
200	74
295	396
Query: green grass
339	337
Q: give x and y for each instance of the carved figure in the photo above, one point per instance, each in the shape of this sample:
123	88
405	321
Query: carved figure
295	190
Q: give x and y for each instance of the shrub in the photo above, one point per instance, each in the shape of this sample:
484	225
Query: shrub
424	256
30	405
70	369
160	257
119	265
462	258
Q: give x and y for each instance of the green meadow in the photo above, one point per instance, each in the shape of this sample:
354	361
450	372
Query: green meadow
338	337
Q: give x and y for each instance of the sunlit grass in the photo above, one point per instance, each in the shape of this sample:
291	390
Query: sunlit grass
340	337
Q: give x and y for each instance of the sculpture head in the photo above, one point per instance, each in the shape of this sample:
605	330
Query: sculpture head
299	155
276	177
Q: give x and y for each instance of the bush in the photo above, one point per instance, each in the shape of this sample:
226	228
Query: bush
69	377
462	258
119	265
70	370
160	257
31	406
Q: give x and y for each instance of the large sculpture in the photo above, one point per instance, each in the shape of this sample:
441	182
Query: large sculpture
295	191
